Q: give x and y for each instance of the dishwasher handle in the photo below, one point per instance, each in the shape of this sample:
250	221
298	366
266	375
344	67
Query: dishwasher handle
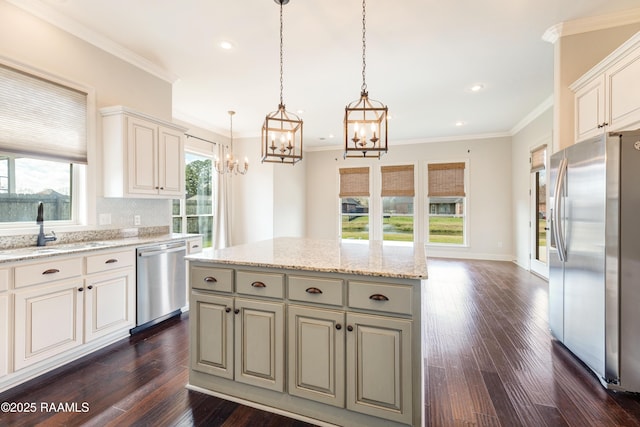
158	250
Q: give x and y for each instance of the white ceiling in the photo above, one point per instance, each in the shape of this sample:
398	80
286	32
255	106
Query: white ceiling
422	56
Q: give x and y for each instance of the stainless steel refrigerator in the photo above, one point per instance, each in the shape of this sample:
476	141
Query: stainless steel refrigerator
594	256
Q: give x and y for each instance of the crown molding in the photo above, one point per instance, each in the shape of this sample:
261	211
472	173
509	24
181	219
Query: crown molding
40	10
537	112
592	23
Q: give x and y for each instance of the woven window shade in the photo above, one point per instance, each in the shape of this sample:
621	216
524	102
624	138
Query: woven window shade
538	158
397	181
446	179
354	182
40	118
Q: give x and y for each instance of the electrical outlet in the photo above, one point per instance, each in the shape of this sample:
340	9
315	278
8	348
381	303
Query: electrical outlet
136	220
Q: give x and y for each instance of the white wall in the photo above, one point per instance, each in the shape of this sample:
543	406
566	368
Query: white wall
537	133
489	193
27	40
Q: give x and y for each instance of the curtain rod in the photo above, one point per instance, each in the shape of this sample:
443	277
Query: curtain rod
201	139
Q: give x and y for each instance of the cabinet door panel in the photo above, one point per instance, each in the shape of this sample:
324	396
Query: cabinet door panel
259	344
212	326
316	354
590	110
171	161
110	304
624	93
48	321
4	334
379	367
142	157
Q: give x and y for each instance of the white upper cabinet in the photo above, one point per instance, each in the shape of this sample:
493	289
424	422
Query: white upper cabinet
143	156
607	97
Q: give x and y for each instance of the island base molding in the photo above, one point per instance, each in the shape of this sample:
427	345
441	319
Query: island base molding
287	405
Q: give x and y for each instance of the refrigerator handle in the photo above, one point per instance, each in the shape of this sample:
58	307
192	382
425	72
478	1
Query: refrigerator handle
558	233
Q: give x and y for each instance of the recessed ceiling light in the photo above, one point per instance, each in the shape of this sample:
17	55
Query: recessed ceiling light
331	135
476	87
460	123
300	111
226	45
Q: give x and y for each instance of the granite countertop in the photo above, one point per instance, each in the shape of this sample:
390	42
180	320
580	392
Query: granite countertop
37	252
369	259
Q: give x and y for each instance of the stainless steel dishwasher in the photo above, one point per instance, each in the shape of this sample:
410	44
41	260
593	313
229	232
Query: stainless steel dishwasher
161	287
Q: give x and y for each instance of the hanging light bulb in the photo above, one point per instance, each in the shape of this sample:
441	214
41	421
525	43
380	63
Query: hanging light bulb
281	124
363	112
231	164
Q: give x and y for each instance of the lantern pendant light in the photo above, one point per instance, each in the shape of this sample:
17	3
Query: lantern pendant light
365	120
282	130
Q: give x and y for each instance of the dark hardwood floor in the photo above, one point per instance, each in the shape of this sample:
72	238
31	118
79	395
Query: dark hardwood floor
489	361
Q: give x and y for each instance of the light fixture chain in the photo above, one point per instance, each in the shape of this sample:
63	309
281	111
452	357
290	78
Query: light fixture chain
281	54
364	46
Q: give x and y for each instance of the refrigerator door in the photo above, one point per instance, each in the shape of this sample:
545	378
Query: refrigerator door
584	284
556	266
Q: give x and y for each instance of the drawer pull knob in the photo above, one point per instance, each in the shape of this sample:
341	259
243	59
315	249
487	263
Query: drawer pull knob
338	326
313	290
258	285
236	311
111	261
228	309
90	287
378	297
51	271
210	279
80	289
195	246
349	328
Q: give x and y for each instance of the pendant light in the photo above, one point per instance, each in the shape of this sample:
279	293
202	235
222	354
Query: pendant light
231	164
282	130
365	120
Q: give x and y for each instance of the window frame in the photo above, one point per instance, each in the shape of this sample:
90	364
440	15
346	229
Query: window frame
84	177
427	211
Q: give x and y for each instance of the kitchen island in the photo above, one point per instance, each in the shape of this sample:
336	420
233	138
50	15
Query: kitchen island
325	331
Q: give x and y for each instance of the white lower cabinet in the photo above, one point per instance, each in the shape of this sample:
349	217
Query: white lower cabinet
211	324
109	303
48	321
4	335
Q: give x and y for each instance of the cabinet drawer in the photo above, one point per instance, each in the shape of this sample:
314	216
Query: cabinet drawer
260	284
110	261
380	297
315	290
194	246
212	279
43	272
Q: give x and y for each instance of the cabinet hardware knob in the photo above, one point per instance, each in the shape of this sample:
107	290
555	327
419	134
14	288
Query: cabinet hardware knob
157	188
90	287
51	271
349	328
162	188
378	297
195	246
236	311
210	279
80	289
111	261
338	326
228	309
258	285
313	290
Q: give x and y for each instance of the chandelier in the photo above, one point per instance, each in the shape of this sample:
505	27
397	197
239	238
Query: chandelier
365	120
231	164
282	130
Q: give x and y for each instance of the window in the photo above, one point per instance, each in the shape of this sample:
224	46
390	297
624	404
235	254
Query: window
397	203
43	146
447	203
194	213
354	203
538	162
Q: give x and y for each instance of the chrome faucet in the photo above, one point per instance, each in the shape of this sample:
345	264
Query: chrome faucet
42	238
